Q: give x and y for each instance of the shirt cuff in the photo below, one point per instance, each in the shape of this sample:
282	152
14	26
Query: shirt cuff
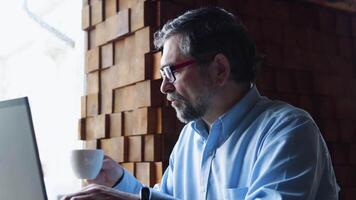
129	183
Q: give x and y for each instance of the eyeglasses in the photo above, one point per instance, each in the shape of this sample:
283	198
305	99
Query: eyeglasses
167	71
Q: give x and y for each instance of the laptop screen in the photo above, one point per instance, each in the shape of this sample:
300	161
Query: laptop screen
20	169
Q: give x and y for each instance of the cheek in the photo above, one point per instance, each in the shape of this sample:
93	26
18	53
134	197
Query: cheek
181	89
189	93
190	86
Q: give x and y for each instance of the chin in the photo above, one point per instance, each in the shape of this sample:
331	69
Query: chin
181	119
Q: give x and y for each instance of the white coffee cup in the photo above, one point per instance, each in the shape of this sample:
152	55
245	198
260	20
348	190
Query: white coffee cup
86	163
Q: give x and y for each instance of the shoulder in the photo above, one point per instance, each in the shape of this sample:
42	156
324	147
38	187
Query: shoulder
282	111
273	113
280	120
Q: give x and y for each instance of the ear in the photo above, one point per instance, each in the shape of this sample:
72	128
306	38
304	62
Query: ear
220	69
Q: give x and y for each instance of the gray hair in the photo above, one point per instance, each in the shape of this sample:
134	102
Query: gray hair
212	30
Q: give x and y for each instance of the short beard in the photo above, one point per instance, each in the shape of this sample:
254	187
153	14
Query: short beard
186	111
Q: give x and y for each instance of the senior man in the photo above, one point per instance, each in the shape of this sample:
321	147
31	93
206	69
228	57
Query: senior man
236	144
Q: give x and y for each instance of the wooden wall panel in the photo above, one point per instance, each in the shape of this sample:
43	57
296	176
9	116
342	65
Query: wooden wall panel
112	28
135	148
126	4
117	25
96	127
106	90
86	17
116	125
153	147
128	123
92	80
124	98
143	41
81	129
120	53
91	39
93	106
97	11
132	65
83	104
123	55
111	8
156	64
142	94
142	14
116	148
148	93
90	144
100	36
92	60
107	55
142	121
158	172
145	172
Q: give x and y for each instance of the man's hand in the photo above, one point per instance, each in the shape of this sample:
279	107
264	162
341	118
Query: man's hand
99	192
109	174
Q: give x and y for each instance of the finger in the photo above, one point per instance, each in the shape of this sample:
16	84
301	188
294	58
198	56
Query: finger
83	197
98	179
78	194
92	187
109	164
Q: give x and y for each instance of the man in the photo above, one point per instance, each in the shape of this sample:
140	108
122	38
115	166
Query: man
236	144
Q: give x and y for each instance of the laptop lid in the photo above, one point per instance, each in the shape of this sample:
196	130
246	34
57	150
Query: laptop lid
21	174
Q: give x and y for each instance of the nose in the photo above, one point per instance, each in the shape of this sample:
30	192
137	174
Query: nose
166	86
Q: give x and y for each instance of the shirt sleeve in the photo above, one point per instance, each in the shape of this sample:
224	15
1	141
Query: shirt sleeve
290	162
129	184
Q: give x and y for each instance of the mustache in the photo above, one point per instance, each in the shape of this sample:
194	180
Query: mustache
174	96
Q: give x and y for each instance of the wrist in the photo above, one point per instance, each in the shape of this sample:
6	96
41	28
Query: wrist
119	179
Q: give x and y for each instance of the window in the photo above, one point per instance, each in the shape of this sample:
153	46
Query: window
38	62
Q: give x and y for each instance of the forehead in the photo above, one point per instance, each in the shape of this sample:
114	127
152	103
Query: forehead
171	51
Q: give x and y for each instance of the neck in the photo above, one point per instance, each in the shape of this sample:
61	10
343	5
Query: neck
224	99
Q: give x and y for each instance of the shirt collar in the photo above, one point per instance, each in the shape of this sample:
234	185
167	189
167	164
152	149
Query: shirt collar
231	119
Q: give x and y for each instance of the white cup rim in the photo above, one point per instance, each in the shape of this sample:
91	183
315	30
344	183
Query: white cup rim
87	150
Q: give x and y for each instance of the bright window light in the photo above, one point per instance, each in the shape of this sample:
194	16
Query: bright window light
34	62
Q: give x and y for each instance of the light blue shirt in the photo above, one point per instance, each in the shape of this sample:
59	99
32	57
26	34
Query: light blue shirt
259	149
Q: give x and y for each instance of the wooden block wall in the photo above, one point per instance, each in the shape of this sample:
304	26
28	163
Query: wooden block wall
310	62
123	111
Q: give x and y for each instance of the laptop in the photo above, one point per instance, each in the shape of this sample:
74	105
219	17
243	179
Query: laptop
21	174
